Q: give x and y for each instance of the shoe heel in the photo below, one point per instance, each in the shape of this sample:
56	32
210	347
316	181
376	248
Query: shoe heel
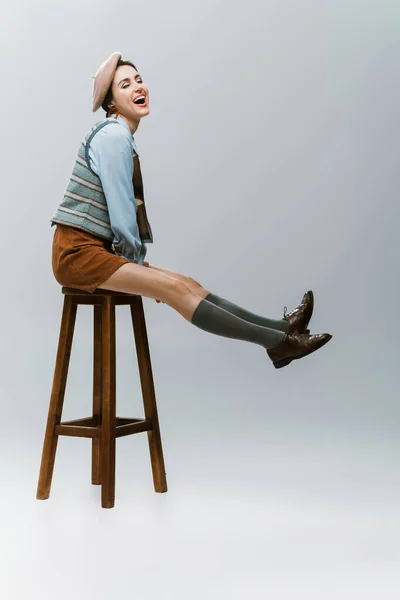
282	363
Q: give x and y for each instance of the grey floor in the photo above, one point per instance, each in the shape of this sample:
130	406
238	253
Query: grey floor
283	513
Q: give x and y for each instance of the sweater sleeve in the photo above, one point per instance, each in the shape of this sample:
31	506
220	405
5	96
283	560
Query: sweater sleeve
110	154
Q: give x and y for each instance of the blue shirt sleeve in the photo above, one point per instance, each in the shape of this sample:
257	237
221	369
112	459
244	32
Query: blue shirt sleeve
110	154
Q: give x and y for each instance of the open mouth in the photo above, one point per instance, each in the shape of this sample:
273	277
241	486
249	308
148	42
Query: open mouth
140	101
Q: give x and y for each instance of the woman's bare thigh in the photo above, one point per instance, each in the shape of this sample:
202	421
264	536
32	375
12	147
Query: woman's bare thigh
132	278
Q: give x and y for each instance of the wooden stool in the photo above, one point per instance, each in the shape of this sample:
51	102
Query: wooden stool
103	426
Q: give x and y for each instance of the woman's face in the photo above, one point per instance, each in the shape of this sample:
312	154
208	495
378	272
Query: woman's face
128	85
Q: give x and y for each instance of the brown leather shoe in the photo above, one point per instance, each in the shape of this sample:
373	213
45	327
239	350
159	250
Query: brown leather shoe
300	316
296	345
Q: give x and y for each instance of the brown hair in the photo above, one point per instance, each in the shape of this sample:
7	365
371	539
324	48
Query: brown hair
109	97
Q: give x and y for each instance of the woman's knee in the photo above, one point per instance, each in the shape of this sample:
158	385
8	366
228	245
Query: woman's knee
180	288
193	283
189	281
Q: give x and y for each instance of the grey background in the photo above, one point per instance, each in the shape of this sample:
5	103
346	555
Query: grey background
270	166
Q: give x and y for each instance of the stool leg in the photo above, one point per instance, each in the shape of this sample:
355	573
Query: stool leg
108	429
57	398
97	393
148	393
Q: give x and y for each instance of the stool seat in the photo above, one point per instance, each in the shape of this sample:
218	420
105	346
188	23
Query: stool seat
102	426
98	292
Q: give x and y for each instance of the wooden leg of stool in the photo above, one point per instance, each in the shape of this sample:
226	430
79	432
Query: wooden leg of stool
148	393
97	393
57	398
109	404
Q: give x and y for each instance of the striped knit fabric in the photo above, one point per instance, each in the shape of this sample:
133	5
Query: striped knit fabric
84	204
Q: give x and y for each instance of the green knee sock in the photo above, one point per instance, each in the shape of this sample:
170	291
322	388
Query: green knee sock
280	324
214	319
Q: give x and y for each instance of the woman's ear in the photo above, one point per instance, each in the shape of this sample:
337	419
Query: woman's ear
113	109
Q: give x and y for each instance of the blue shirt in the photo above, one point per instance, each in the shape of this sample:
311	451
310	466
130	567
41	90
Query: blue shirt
110	154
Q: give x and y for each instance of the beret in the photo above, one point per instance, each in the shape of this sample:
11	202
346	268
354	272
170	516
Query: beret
103	79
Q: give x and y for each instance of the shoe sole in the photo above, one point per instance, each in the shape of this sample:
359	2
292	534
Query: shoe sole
284	362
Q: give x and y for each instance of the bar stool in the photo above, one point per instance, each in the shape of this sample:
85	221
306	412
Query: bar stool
103	426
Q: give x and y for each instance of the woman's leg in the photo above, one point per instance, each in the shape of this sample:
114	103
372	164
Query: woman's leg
132	278
197	288
189	281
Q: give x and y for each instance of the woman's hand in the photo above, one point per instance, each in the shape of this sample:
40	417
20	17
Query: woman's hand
146	264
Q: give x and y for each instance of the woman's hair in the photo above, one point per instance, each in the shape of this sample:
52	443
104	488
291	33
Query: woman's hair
108	97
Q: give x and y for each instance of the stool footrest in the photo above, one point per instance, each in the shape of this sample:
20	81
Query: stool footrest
89	427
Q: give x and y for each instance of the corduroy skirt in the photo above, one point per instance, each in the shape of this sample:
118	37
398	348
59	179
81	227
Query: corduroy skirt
82	260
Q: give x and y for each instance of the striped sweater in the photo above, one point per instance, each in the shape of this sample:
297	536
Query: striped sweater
84	204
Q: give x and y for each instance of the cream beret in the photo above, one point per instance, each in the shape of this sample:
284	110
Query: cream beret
103	79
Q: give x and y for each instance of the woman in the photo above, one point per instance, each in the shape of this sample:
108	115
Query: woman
102	229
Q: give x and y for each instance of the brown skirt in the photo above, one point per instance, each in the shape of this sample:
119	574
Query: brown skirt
82	260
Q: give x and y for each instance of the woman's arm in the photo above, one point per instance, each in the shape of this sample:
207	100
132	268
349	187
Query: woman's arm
110	154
